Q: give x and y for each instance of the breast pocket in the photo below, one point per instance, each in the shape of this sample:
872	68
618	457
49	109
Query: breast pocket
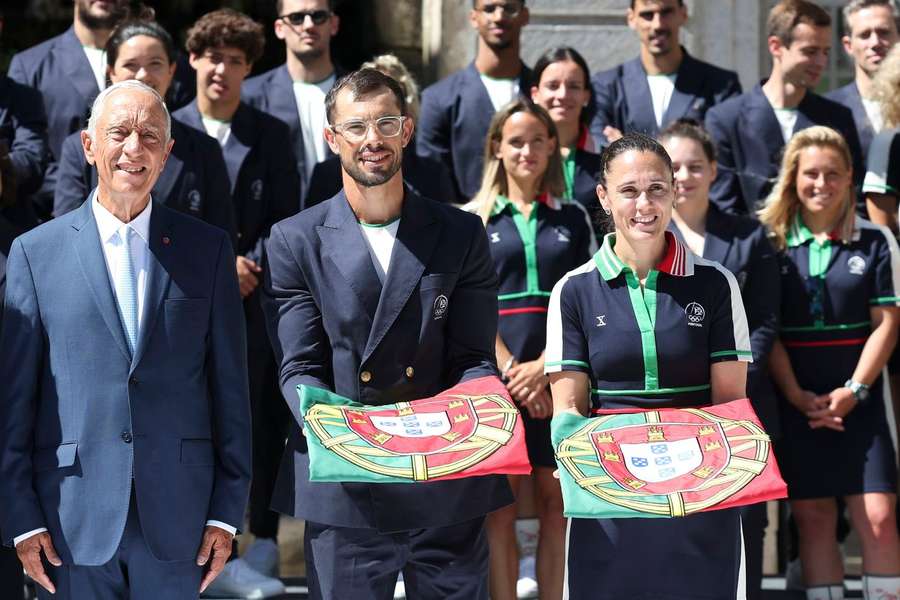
435	290
186	320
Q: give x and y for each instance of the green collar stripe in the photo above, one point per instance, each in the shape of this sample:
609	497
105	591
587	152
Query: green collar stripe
607	262
569	173
671	390
379	225
730	353
643	303
837	327
563	363
517	295
527	229
819	252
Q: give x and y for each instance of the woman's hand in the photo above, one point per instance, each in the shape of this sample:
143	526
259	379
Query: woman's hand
528	387
805	401
835	405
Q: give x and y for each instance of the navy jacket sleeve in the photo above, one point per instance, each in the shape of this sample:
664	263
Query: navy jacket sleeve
73	177
218	210
28	149
605	98
726	190
301	346
764	301
433	129
472	325
226	367
324	182
22	337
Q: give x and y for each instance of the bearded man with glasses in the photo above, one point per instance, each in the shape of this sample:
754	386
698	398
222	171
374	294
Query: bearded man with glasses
295	91
382	296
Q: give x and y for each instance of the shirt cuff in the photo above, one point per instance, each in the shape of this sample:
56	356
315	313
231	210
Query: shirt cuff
221	525
25	536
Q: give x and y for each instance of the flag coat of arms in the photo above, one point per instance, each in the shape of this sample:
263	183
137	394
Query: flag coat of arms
472	429
664	463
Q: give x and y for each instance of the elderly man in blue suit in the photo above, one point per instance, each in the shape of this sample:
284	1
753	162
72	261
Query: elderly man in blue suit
382	296
660	86
124	411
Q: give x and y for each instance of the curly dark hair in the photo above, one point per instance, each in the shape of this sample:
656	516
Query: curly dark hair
226	27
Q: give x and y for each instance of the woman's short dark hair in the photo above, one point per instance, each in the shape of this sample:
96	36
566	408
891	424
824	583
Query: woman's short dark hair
133	28
637	142
691	130
560	54
361	83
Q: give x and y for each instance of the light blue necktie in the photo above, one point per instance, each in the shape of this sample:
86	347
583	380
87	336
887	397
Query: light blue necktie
126	287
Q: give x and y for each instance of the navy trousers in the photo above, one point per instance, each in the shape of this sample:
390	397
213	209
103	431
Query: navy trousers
12	582
440	563
132	573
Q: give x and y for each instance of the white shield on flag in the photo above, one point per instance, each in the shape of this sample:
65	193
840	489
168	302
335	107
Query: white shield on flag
418	425
654	462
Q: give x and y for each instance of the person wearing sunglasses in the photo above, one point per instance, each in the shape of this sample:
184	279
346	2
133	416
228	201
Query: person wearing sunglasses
457	110
840	308
295	91
382	296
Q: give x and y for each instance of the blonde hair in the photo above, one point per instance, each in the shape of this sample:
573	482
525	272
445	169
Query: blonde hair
783	204
886	87
493	181
391	66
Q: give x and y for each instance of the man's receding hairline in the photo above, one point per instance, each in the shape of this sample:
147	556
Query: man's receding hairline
371	93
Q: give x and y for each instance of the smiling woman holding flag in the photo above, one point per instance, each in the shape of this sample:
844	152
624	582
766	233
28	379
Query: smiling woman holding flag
646	324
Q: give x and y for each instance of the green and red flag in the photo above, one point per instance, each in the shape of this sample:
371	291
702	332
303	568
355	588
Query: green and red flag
667	462
472	429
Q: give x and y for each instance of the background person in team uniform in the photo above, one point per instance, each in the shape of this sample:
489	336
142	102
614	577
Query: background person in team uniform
839	316
739	244
642	267
194	179
535	238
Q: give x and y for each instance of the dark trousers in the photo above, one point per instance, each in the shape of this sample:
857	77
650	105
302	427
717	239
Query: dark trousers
271	419
754	521
12	582
440	563
131	573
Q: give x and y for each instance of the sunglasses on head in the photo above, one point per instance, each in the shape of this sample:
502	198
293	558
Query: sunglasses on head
297	18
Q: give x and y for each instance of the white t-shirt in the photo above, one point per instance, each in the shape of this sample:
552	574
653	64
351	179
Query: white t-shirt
220	130
97	59
310	99
380	241
787	118
873	111
501	91
661	88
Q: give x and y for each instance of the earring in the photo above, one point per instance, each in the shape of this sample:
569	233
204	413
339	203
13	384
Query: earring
607	211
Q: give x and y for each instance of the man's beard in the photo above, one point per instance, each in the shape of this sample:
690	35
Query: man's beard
94	22
366	179
498	45
309	54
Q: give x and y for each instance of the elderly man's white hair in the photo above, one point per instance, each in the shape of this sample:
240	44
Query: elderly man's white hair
130	84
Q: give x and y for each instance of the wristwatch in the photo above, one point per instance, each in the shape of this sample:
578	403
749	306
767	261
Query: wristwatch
860	390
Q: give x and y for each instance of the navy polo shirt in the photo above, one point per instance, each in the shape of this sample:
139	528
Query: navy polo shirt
652	346
530	255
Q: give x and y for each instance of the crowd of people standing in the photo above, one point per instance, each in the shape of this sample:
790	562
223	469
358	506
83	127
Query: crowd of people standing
648	236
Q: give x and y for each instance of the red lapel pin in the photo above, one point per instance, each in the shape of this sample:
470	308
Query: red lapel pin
166	240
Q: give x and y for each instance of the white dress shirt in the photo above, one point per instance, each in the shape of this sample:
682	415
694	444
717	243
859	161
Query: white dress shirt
108	227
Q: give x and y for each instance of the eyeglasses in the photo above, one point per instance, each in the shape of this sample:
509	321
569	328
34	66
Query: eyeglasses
510	10
355	130
298	18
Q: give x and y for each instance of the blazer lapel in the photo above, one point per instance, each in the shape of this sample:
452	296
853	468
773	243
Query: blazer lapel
637	98
477	94
416	238
283	105
76	66
683	97
343	244
89	251
162	189
761	124
159	259
243	136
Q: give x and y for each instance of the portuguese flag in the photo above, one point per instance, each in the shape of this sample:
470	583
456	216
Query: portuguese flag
472	429
664	463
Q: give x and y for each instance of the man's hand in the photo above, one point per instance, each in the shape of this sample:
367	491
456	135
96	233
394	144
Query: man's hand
246	272
29	551
216	545
611	133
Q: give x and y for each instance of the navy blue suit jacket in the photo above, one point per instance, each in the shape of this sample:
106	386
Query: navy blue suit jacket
623	100
8	233
750	145
193	181
455	115
58	69
587	172
82	420
849	96
330	320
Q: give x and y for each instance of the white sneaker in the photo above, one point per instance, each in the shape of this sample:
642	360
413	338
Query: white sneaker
526	586
238	580
399	588
262	556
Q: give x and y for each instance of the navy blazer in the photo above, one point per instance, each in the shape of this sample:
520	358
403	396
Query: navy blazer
194	179
849	96
23	129
623	100
587	175
58	69
453	121
8	233
740	245
750	145
425	176
82	420
331	319
273	92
